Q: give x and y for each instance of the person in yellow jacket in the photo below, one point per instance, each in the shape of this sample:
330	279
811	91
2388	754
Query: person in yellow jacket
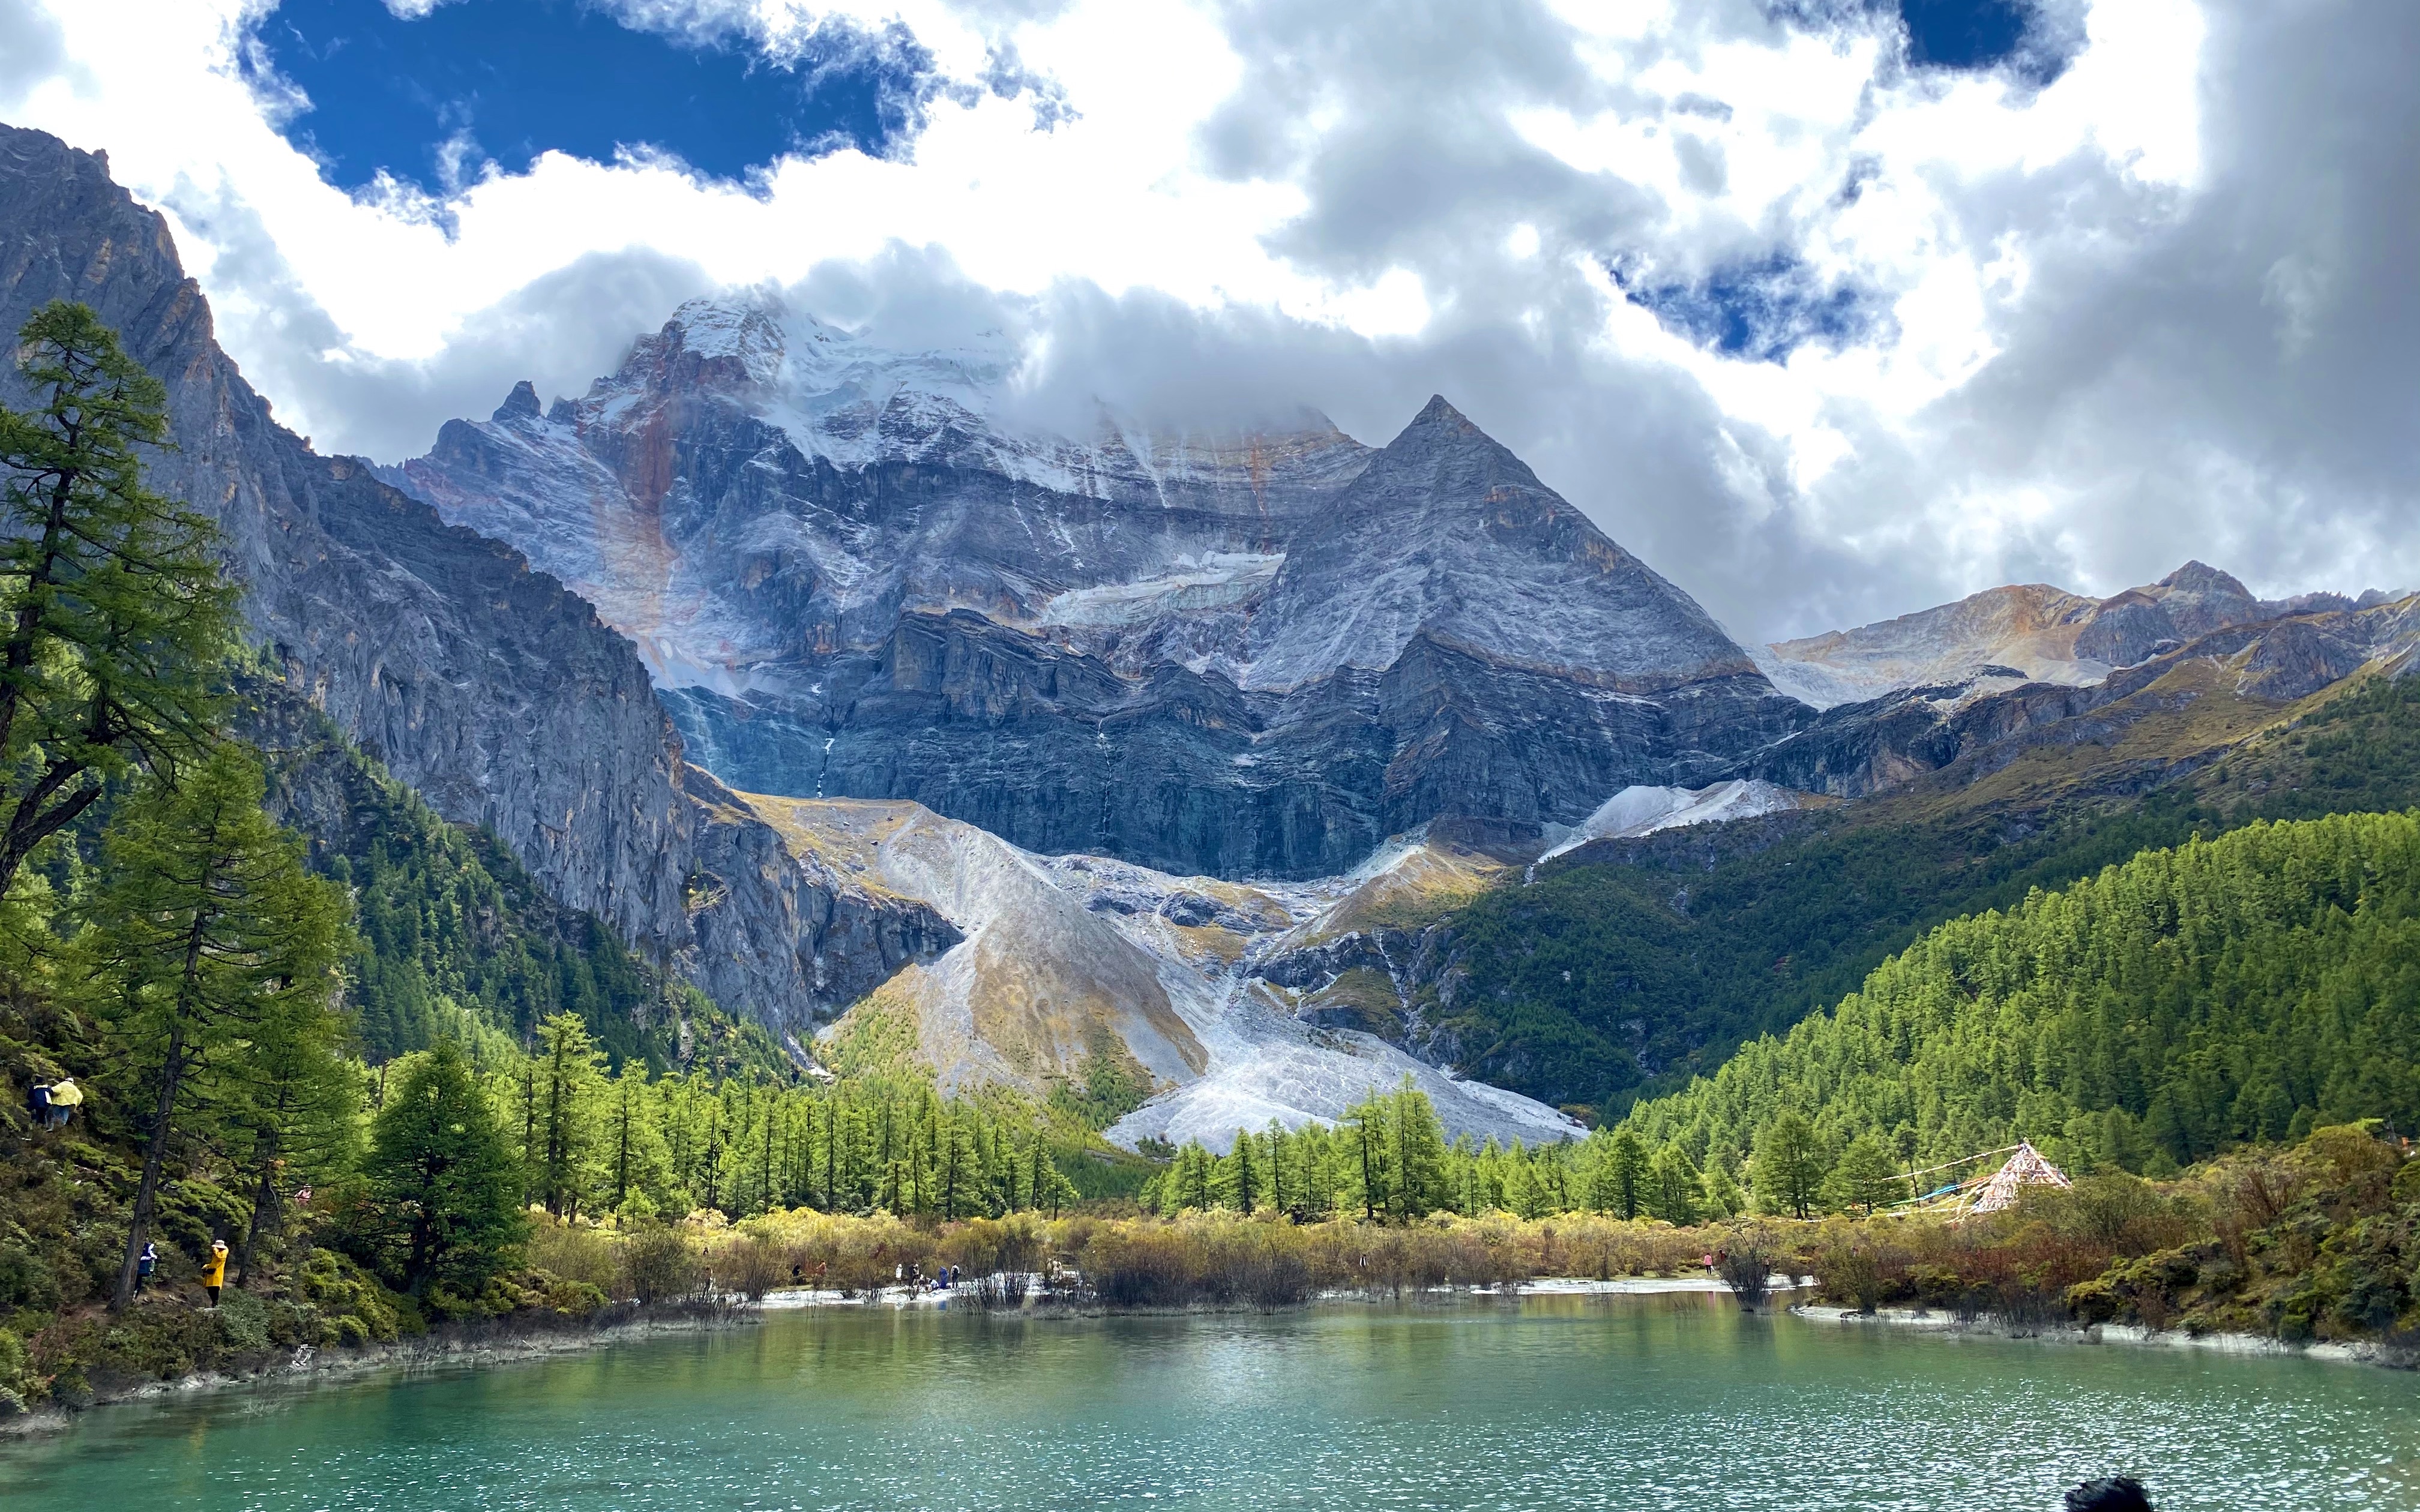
214	1273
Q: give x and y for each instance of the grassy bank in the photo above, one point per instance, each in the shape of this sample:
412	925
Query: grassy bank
2310	1242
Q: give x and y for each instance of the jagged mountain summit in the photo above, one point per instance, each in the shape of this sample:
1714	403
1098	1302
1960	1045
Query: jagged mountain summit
855	571
2028	633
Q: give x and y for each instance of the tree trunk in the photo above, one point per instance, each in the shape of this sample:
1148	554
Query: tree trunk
622	1154
146	1195
25	635
268	1215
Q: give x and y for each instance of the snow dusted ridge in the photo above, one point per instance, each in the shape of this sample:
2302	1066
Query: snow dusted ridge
2027	633
1069	957
1643	810
593	490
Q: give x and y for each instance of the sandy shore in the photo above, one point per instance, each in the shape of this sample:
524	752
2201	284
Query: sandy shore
1988	1327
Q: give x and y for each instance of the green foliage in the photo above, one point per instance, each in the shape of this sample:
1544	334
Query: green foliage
1721	1188
1674	1185
209	955
566	1164
1865	1176
1358	1169
116	618
443	1209
1602	982
1791	1166
2221	992
2356	752
1621	1185
1112	1086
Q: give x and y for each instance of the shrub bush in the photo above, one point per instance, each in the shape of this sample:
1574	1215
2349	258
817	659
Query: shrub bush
659	1266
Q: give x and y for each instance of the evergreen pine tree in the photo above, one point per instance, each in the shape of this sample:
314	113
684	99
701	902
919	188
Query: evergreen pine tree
445	1188
635	1158
1673	1182
1720	1188
1621	1176
1419	1153
1789	1167
114	617
1369	1150
1867	1176
291	1100
567	1077
1239	1175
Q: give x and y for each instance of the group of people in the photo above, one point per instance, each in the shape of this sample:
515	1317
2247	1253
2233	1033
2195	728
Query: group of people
911	1273
53	1104
147	1265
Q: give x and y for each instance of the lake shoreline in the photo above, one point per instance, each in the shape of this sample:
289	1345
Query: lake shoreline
1040	1303
448	1346
480	1346
507	1342
2358	1351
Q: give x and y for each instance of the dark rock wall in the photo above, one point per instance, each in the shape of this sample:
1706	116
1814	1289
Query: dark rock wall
1186	773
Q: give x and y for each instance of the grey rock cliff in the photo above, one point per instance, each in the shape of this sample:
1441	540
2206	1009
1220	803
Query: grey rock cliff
488	687
1249	654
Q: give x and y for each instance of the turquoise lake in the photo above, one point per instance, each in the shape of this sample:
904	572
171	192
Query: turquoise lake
1625	1402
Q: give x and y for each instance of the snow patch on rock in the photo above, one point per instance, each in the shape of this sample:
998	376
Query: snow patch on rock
1643	810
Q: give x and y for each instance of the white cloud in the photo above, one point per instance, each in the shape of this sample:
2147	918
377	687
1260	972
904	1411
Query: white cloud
2080	288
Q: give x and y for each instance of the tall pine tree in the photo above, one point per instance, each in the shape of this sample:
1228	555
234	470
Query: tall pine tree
114	617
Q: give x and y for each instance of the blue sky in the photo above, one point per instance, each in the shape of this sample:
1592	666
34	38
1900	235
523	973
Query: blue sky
513	79
449	89
1963	34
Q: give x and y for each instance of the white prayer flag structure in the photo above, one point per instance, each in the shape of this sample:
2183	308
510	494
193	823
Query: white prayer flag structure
2024	1168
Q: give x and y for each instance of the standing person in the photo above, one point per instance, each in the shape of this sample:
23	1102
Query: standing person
214	1275
146	1263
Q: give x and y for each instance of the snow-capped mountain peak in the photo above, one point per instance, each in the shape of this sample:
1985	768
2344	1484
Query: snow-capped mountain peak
860	568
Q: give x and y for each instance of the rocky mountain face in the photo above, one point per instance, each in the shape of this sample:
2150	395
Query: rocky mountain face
856	571
2281	654
2029	633
488	687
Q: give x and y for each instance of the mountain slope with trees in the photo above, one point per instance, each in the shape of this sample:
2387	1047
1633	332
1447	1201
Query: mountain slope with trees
2238	989
455	939
1628	966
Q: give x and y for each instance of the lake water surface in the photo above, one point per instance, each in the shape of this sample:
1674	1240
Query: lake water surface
1621	1402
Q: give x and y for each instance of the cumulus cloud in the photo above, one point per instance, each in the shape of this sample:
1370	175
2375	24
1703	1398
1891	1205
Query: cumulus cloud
36	52
1824	328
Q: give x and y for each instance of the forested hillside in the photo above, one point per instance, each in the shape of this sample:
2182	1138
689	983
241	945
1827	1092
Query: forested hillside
2244	988
1630	966
454	937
